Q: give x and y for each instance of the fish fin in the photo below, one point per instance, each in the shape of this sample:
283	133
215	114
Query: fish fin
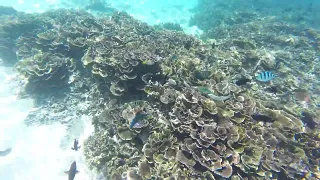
72	148
79	147
5	152
77	171
66	172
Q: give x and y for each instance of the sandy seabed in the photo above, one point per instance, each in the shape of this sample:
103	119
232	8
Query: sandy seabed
38	152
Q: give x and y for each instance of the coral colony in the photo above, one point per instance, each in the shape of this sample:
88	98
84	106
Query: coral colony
200	124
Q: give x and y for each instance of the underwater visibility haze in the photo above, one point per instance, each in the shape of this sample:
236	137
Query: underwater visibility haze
159	89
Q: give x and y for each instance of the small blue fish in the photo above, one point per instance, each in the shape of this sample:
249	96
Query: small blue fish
139	116
265	76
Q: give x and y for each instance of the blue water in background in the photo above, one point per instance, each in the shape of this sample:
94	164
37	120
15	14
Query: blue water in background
35	149
149	11
177	11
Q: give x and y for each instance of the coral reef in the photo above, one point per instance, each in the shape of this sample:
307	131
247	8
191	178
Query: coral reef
169	106
45	71
208	127
102	46
210	138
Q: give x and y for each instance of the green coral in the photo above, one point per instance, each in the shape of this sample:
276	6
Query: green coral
45	71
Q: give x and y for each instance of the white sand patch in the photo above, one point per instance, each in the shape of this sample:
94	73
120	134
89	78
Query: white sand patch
38	152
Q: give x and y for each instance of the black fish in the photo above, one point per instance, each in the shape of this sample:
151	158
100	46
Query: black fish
308	120
272	89
260	117
75	145
202	75
5	152
72	171
242	81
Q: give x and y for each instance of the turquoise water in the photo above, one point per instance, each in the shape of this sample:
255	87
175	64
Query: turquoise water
84	69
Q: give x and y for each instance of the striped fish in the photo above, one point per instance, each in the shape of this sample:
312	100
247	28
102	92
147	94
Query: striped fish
265	76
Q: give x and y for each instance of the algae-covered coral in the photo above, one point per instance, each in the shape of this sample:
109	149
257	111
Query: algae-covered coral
168	105
103	46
